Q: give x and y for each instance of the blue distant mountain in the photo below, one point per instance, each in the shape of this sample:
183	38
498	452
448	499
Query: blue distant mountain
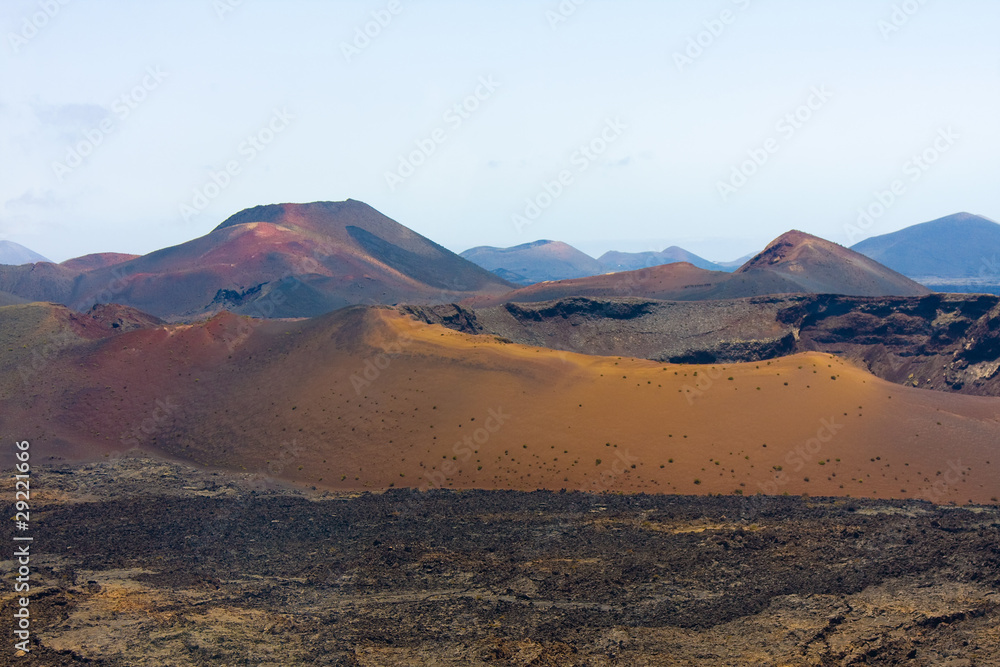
631	261
15	253
957	253
535	262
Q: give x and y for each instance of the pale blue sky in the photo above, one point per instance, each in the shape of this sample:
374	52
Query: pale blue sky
681	130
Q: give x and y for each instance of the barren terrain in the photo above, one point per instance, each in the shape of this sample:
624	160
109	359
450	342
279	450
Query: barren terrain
368	399
142	562
947	342
279	260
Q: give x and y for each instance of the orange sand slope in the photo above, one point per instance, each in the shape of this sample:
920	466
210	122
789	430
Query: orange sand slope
366	399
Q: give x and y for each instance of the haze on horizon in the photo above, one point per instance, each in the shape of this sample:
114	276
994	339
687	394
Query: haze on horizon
296	107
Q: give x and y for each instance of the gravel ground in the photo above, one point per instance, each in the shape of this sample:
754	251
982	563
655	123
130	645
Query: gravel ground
139	561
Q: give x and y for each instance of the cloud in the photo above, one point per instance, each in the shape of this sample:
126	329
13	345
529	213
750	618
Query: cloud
31	200
69	116
38	216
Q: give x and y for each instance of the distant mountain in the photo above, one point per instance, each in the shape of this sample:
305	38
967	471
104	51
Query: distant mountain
535	262
794	263
800	263
736	263
679	281
15	253
281	260
960	249
630	261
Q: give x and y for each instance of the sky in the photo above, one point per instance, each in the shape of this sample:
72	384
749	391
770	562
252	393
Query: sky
608	124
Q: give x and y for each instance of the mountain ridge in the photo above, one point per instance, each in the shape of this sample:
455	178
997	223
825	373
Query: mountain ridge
794	263
281	260
16	254
629	261
959	247
535	262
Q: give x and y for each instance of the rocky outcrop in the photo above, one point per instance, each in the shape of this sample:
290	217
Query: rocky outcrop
949	342
452	316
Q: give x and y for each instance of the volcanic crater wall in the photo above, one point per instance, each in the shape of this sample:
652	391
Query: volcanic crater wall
949	342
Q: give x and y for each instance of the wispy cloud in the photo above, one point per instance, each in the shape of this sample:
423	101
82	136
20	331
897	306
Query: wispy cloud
33	200
69	115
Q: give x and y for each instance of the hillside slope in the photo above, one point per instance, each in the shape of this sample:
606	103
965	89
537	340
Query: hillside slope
98	260
15	254
954	251
283	260
367	399
794	263
679	281
947	342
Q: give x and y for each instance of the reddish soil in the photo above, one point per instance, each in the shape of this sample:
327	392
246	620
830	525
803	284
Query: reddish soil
369	399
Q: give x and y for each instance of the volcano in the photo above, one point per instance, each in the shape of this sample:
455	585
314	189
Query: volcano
794	263
535	262
282	260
